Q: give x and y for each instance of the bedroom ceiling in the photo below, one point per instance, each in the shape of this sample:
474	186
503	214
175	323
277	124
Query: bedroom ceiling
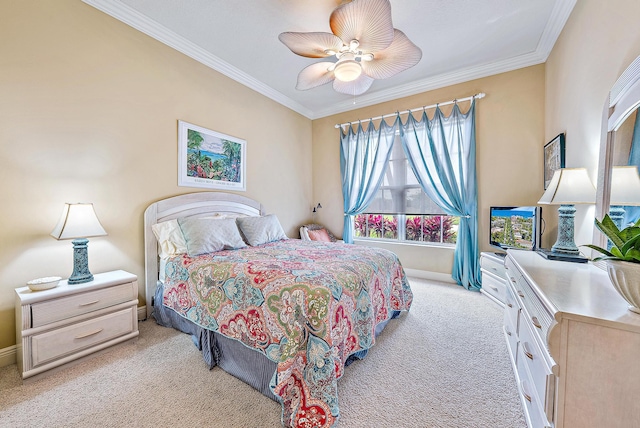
460	40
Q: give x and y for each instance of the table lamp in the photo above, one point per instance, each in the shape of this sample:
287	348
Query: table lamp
625	192
78	222
568	186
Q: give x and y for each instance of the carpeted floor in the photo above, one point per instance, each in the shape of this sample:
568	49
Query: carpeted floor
443	364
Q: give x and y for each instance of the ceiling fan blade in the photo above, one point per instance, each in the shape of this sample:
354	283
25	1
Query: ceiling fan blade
315	75
368	21
399	56
355	87
311	45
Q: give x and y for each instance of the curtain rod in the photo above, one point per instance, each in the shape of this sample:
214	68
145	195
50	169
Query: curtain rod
478	96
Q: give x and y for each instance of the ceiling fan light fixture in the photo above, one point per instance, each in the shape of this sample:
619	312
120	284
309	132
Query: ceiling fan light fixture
348	70
364	42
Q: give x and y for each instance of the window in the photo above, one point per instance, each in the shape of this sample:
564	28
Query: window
401	211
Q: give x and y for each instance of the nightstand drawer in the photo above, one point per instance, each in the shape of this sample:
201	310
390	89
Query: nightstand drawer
54	344
493	285
50	311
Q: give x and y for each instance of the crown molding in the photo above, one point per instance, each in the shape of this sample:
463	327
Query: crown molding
559	15
142	23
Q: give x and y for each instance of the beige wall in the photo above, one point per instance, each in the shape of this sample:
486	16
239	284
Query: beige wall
509	137
599	41
88	113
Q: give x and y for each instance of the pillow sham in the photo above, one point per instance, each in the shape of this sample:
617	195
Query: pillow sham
170	238
208	235
260	230
319	235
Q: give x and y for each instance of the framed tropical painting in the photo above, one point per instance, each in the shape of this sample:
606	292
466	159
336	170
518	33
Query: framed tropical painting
553	158
210	159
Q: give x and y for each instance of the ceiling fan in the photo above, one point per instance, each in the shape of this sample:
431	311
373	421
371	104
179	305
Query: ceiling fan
364	42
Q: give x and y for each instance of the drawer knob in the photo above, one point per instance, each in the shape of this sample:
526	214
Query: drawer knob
493	288
521	294
525	349
524	392
510	305
91	333
89	303
535	322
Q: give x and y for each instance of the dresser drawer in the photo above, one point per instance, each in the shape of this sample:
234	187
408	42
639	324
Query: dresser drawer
512	339
50	311
536	360
532	406
55	344
511	309
493	265
534	310
493	285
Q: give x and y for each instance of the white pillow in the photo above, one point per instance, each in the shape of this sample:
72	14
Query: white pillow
260	230
208	235
170	239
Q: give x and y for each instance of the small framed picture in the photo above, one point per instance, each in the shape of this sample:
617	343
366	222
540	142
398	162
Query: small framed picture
553	158
210	159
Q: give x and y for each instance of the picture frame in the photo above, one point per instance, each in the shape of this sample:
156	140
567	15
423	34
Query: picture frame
553	157
210	159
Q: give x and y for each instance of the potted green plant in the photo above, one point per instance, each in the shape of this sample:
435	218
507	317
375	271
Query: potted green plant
622	259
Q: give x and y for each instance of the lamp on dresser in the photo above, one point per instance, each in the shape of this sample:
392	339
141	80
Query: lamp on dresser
568	186
78	222
625	192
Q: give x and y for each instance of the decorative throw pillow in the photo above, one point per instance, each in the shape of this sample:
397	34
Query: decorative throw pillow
260	230
319	235
170	239
208	235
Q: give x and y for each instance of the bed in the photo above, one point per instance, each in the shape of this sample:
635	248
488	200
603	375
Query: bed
284	315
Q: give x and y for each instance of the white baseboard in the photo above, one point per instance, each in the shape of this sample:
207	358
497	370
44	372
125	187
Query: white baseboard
435	276
8	355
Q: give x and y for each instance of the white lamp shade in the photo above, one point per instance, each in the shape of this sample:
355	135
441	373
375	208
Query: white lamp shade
569	186
625	186
78	221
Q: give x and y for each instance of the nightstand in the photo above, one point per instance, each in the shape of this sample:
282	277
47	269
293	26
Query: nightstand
63	324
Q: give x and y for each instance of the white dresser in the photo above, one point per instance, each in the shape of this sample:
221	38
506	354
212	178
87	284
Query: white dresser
574	346
494	279
62	324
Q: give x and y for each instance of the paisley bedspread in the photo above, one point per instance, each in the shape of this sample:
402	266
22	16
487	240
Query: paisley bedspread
306	305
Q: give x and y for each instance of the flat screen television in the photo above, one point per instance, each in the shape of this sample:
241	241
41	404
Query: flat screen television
515	227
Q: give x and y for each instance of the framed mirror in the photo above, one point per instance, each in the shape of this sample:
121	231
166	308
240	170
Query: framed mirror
620	146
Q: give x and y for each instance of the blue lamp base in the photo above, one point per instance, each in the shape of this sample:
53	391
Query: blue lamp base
81	272
565	243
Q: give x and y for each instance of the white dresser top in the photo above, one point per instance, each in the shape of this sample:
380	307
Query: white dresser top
576	290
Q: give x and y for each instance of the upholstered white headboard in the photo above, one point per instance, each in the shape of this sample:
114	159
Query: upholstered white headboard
200	204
